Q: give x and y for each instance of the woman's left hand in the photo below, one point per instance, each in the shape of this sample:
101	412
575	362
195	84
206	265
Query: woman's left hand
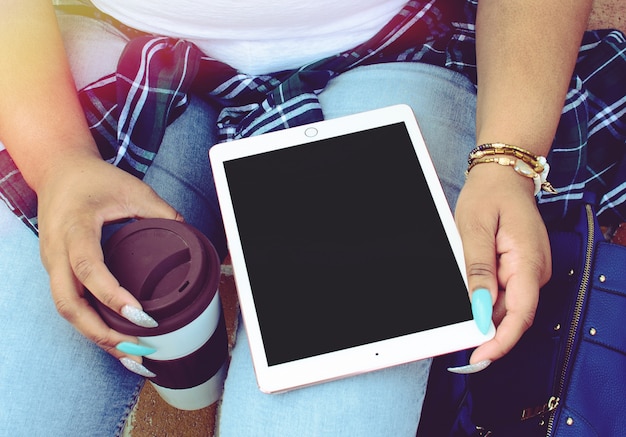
507	251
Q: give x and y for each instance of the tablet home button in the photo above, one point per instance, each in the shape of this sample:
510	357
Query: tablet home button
310	132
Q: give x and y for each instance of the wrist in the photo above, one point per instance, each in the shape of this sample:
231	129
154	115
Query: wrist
497	178
43	169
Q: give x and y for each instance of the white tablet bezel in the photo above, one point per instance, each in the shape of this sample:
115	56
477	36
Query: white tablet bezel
359	359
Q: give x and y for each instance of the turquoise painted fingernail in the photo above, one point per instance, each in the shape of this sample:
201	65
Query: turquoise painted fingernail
134	349
482	307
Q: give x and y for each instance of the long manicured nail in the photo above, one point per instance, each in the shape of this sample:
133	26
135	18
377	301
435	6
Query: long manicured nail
138	317
470	368
482	308
135	367
134	349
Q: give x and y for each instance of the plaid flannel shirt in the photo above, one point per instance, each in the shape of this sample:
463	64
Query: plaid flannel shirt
129	110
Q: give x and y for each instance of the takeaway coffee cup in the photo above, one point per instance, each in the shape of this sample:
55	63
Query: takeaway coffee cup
174	271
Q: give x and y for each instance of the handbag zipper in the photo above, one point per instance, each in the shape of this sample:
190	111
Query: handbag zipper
580	298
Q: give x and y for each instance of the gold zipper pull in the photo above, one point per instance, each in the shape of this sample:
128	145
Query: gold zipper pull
531	412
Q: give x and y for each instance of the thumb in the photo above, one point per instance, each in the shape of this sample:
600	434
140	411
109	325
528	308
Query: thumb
146	203
481	267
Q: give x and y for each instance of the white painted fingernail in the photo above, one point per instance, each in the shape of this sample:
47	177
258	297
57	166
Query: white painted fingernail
470	368
138	317
135	367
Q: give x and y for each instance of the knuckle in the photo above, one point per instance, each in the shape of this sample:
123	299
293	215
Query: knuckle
107	298
546	271
528	320
103	341
541	269
83	268
526	324
66	309
481	270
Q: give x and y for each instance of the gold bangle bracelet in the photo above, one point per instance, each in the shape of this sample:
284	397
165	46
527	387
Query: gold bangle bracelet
518	165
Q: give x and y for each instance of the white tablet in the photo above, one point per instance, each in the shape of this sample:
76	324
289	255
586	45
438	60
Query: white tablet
345	253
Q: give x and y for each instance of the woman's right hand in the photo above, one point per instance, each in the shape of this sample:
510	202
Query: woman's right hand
77	197
77	191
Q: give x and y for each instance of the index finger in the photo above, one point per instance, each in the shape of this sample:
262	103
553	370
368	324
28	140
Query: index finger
72	305
87	264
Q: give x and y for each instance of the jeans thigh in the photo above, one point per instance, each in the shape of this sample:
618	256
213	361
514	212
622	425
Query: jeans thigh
444	103
53	380
181	172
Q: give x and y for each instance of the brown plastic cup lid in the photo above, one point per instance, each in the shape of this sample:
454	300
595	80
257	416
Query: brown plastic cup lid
169	266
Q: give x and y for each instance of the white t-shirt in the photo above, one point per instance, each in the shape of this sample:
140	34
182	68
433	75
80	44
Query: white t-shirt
259	36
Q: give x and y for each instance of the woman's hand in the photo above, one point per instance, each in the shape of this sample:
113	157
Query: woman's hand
507	251
523	74
77	197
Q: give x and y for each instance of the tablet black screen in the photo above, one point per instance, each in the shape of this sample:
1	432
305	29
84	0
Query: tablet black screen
343	244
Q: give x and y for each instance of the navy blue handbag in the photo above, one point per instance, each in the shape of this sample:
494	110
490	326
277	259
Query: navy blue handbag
567	375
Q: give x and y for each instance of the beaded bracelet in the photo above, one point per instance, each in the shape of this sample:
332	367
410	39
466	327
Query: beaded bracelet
523	162
506	149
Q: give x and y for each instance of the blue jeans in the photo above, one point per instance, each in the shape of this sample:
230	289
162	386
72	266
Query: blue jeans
55	382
